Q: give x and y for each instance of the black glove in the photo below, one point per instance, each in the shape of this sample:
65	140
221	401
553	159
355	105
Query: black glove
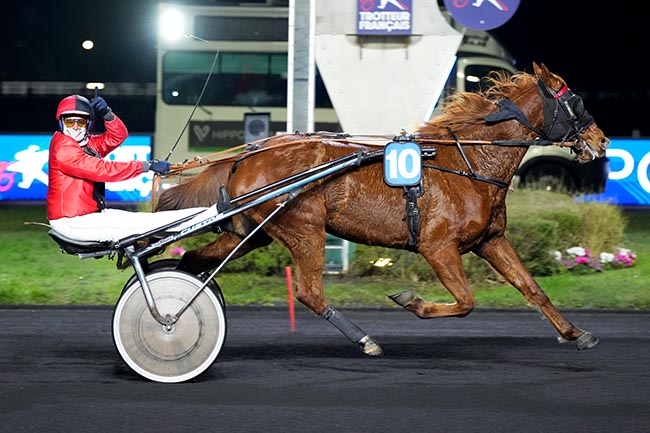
156	165
99	105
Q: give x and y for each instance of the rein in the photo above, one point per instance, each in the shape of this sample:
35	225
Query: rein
253	147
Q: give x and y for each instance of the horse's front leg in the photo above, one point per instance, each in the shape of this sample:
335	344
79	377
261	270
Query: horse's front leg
448	266
501	255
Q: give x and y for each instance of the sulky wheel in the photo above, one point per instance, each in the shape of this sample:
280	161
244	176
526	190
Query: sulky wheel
188	347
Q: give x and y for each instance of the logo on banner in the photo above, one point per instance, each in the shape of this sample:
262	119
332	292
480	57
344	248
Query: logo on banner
29	163
481	14
629	173
384	17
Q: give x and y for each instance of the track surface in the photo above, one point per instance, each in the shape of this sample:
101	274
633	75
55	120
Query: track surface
492	371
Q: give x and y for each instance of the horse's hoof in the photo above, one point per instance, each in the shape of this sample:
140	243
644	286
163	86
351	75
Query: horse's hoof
586	340
403	298
370	346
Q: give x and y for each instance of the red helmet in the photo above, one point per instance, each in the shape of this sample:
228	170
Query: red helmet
74	104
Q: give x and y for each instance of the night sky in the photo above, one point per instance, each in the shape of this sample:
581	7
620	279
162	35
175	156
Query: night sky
43	40
595	46
591	44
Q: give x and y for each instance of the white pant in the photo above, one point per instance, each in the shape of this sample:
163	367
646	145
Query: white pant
116	224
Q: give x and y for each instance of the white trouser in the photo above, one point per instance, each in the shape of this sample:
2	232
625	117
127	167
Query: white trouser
116	224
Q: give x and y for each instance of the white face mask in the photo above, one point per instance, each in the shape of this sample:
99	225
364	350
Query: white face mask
80	135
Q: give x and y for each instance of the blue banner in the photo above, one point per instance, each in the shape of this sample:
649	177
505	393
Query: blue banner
628	182
24	164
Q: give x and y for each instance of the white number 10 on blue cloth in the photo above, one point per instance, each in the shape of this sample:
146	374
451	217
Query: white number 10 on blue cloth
402	163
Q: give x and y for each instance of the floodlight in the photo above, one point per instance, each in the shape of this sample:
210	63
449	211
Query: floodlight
172	24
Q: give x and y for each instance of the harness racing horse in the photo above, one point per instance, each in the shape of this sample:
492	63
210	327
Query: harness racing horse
461	199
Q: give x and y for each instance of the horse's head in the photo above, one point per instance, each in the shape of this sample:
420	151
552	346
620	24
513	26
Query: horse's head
565	117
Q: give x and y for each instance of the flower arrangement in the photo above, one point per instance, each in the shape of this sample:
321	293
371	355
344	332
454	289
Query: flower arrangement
580	259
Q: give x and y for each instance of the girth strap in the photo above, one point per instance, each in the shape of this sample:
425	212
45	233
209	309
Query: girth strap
412	214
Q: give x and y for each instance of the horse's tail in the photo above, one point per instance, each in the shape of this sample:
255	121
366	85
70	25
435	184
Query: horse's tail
200	190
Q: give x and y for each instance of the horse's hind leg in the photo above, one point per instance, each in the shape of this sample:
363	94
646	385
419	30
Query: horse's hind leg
351	330
211	255
310	261
308	250
503	258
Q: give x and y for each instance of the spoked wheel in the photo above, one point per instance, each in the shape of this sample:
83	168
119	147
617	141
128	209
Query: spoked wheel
170	264
169	354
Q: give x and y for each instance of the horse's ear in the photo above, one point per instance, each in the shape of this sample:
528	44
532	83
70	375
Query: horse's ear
543	72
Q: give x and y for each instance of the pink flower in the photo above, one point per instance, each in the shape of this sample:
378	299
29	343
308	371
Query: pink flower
626	257
177	252
582	260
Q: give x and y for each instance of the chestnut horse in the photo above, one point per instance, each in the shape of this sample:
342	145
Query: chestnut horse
461	200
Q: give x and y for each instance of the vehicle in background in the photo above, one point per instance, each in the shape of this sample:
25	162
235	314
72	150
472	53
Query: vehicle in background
555	169
243	50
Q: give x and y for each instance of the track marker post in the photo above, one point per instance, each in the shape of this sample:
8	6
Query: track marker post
292	316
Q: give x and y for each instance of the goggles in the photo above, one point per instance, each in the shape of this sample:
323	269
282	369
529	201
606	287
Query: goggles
70	121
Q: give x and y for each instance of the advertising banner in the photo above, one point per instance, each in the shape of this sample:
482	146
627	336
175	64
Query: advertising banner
628	183
384	17
24	164
23	171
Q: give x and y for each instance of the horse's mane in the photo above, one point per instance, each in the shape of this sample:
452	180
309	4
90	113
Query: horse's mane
465	110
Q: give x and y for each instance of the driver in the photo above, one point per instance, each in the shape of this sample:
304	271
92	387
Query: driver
76	205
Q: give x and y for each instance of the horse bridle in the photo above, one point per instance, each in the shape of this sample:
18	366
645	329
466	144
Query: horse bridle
565	117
